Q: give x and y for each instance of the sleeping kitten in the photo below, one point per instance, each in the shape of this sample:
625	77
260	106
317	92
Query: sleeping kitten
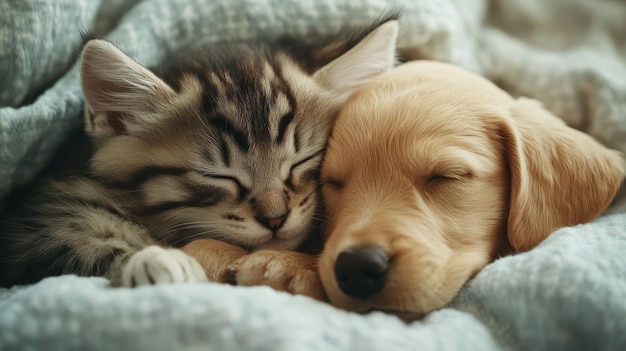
223	141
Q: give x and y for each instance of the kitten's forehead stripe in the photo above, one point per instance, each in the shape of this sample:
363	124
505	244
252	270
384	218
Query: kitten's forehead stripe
244	93
223	124
296	140
268	77
225	152
273	95
209	156
282	127
281	88
218	84
255	103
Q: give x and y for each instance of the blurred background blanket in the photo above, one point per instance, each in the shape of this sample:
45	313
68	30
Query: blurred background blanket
569	293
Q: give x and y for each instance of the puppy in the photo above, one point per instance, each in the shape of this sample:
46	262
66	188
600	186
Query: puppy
430	174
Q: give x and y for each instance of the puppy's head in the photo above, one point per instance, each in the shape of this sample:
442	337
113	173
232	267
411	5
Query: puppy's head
432	172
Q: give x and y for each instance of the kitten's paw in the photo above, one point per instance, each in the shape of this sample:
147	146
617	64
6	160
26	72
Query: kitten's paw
288	271
157	265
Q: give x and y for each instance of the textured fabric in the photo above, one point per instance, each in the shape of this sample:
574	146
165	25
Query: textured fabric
568	293
39	41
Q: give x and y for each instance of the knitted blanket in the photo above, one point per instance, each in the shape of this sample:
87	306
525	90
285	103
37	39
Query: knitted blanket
568	293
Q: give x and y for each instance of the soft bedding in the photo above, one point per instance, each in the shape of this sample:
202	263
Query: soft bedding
568	293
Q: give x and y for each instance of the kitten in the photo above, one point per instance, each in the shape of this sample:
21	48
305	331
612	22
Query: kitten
222	141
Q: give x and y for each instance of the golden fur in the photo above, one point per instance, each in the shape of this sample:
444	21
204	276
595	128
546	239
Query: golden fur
444	172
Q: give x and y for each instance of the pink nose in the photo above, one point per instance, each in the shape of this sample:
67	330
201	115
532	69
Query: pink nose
274	223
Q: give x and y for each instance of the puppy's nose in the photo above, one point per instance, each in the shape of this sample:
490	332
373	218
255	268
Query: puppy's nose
361	271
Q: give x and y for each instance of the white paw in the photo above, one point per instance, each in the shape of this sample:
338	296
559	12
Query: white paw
157	265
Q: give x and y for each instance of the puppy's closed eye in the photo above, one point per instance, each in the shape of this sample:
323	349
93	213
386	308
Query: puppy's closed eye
441	178
438	179
330	183
331	190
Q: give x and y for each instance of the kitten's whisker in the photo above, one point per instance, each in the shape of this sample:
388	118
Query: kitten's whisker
187	226
321	219
183	224
212	234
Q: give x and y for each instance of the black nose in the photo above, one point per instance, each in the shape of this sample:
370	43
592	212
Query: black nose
273	223
361	271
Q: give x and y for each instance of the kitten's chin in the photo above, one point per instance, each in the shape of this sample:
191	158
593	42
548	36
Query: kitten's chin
285	239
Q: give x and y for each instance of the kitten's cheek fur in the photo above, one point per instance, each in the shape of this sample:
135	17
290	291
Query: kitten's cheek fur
157	265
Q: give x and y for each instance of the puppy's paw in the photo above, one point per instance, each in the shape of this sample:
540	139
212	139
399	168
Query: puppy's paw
157	265
214	256
288	271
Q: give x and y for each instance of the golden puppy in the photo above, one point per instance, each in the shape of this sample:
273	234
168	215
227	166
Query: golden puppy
430	174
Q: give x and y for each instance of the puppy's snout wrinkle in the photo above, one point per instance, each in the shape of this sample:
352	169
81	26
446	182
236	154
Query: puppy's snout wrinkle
361	271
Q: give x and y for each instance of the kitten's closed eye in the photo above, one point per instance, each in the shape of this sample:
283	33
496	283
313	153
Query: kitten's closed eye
242	191
303	169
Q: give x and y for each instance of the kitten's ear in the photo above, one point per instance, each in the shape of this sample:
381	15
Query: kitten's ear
119	93
373	55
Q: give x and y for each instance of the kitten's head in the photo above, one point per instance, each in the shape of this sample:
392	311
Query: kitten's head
224	142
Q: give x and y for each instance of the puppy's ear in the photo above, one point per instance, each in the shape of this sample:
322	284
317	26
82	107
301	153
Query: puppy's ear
559	176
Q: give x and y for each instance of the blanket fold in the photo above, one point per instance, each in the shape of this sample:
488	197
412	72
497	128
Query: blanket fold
568	293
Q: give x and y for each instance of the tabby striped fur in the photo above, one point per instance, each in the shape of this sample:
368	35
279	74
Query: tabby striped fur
222	141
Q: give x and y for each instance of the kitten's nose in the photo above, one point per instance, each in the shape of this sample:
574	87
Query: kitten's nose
271	209
361	271
273	223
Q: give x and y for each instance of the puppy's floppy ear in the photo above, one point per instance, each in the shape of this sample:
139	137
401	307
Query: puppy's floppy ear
559	176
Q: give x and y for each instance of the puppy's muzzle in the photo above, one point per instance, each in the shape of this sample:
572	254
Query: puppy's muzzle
362	271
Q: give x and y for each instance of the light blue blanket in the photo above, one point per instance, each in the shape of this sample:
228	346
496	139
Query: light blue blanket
569	293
